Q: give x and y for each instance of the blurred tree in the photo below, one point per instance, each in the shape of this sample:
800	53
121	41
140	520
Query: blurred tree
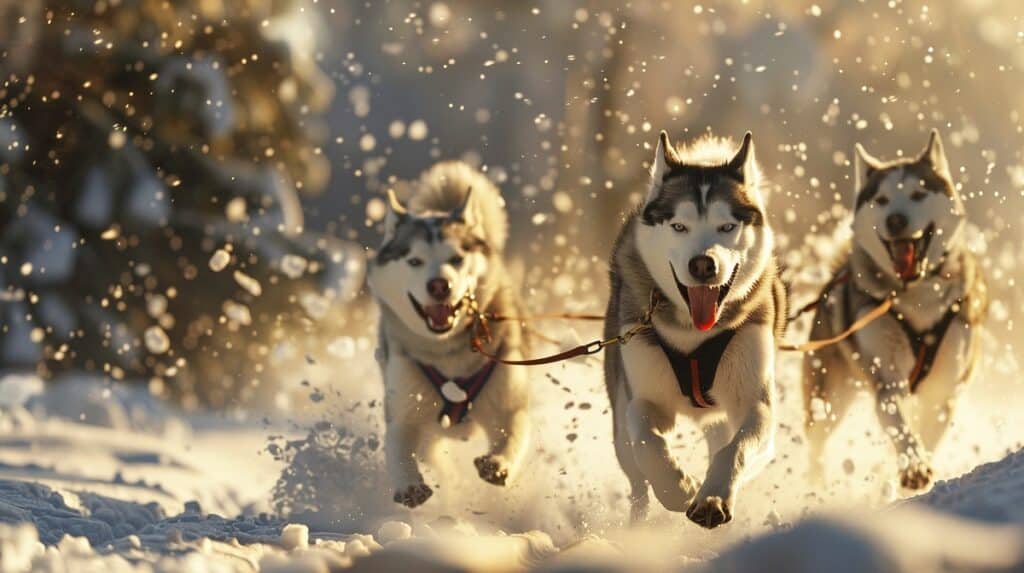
151	155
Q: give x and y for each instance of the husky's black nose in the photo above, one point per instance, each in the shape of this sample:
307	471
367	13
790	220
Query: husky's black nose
896	223
702	267
439	289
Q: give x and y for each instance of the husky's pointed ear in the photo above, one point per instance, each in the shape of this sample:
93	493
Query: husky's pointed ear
395	215
865	165
664	157
743	163
934	154
460	212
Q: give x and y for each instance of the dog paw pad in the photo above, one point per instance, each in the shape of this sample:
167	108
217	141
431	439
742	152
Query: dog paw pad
413	495
916	476
491	470
709	512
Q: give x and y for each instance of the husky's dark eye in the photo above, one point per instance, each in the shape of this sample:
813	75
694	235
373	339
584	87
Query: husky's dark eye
882	201
456	260
918	195
680	228
415	262
727	228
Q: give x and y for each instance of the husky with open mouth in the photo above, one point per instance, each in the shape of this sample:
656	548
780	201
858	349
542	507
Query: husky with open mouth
441	262
908	246
699	250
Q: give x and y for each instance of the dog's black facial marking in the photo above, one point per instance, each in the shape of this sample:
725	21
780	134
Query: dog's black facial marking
462	234
658	211
475	245
685	183
929	179
748	215
922	170
431	230
407	231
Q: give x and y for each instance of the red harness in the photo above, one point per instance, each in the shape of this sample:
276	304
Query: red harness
695	372
456	410
925	344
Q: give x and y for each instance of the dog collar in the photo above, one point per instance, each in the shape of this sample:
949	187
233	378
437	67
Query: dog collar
457	394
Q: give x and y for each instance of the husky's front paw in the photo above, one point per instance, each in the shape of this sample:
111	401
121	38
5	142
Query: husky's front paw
709	512
677	494
492	469
917	475
413	495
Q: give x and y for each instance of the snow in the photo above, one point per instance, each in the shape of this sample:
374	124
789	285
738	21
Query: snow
101	477
219	260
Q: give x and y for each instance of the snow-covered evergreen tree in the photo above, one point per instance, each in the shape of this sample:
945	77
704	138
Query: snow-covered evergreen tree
151	159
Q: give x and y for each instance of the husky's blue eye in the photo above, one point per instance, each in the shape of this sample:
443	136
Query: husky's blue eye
882	201
415	262
456	260
918	195
679	228
727	228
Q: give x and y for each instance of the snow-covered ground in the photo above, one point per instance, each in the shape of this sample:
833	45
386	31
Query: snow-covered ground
99	477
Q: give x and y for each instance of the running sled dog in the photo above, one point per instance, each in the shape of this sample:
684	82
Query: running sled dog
696	258
440	264
908	246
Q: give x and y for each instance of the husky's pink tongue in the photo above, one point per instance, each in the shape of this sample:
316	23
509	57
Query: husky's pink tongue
904	255
703	306
439	315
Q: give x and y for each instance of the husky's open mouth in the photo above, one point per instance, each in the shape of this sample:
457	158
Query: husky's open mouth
909	256
704	300
440	317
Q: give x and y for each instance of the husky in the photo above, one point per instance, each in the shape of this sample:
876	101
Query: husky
698	251
441	263
908	245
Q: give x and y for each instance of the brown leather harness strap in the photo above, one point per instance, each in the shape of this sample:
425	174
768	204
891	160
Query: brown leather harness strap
860	323
481	334
549	316
582	350
839	279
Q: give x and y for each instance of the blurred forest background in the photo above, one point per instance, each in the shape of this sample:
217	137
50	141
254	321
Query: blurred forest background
187	187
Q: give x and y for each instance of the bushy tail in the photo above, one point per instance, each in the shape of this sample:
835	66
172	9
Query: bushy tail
443	188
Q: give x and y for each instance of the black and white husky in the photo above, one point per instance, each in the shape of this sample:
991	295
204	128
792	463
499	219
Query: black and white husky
700	247
908	245
441	260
